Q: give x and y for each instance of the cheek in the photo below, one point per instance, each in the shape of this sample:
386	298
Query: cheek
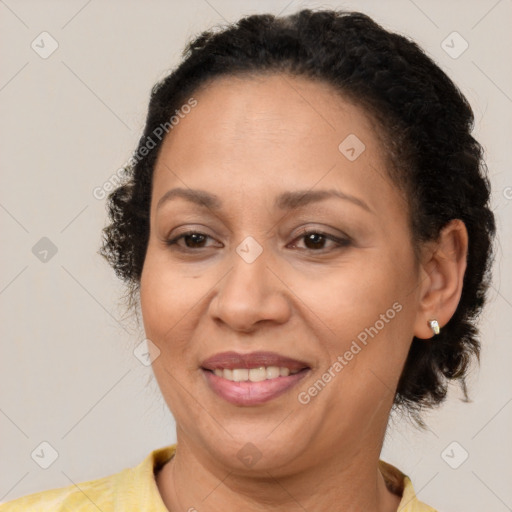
366	312
351	297
165	300
167	305
167	288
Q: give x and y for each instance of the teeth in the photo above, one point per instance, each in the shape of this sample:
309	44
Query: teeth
240	374
272	372
258	374
254	374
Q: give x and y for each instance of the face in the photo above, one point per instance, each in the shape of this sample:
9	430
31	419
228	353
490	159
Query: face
278	244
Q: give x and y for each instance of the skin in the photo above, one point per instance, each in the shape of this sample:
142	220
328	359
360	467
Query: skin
247	141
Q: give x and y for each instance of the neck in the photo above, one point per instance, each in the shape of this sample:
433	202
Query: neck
191	481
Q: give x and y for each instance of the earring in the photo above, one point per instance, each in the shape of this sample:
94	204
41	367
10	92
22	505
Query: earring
434	325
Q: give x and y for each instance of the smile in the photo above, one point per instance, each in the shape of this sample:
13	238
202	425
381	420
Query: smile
254	378
254	374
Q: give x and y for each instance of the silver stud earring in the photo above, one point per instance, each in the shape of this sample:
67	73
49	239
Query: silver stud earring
434	325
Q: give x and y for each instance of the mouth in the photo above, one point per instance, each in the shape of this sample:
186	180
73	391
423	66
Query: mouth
254	374
252	379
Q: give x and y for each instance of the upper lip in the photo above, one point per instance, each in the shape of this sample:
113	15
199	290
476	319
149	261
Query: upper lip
231	360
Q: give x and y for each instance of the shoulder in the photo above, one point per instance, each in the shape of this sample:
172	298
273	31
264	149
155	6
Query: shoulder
400	484
91	495
130	489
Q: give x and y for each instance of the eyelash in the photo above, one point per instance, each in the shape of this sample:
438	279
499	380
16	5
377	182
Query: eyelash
341	242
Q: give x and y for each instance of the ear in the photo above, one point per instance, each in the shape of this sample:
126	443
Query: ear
441	278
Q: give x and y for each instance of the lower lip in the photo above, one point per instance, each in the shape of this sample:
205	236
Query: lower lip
252	393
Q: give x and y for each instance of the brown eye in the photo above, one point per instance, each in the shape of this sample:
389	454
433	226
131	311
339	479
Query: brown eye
317	240
314	241
192	239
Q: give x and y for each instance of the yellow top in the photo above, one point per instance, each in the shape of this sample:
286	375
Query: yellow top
135	490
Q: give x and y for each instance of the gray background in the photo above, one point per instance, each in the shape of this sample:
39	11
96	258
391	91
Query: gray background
69	121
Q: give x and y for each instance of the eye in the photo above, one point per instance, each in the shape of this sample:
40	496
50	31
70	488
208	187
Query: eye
192	239
315	240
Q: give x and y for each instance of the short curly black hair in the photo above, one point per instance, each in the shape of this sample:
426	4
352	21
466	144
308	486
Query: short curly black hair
425	122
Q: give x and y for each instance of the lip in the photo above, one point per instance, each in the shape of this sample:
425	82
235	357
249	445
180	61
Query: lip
231	360
251	393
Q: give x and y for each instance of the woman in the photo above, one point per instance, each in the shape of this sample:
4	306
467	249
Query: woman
305	225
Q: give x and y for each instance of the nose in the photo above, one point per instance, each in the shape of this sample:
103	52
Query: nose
250	295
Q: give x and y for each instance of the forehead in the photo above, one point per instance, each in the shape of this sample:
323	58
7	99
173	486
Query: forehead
272	132
257	110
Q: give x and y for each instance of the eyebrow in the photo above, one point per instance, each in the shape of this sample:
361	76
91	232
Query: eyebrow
285	201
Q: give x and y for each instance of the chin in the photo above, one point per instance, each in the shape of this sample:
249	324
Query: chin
256	452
